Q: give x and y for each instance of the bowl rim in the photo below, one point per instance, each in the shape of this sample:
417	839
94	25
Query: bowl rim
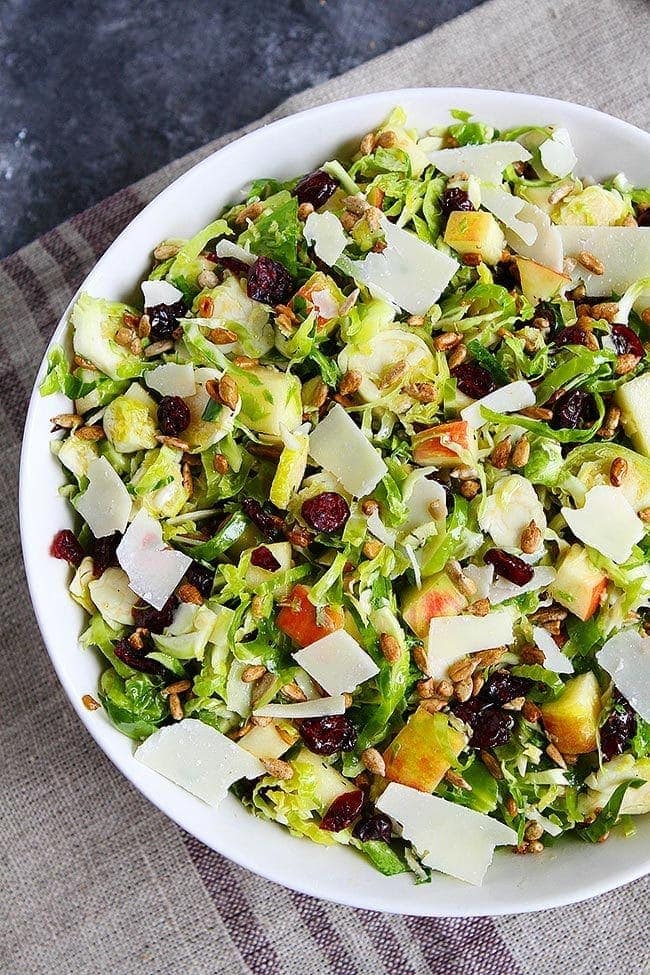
161	794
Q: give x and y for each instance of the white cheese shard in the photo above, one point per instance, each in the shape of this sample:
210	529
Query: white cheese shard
554	659
154	571
112	596
508	399
160	293
626	658
451	637
326	233
511	506
409	272
338	445
606	522
557	154
226	248
547	247
507	208
425	500
320	707
485	162
106	503
448	837
172	379
337	662
198	758
265	742
624	251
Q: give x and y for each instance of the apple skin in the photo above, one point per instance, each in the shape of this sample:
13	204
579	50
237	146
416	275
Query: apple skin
297	618
538	282
429	445
437	597
579	585
571	721
475	232
420	755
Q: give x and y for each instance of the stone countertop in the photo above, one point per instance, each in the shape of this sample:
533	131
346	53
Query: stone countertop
95	94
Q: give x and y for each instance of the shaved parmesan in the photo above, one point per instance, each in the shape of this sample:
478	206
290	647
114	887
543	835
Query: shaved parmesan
624	251
106	503
160	293
448	837
172	379
409	272
338	445
485	162
501	589
607	522
320	707
557	154
337	662
226	248
198	758
112	596
547	247
154	571
626	658
509	399
507	208
425	500
325	232
481	576
554	659
451	637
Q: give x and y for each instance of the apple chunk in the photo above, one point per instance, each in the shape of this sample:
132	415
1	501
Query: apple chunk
299	620
430	445
423	751
538	282
437	597
578	584
634	400
571	721
475	232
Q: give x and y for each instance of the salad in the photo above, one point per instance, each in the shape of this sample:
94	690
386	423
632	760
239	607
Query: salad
361	488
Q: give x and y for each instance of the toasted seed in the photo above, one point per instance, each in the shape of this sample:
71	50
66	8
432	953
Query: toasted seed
540	323
480	607
559	193
372	548
348	220
172	442
531	538
487	658
434	704
530	654
220	464
501	453
387	139
257	607
462	582
304	210
392	374
461	669
207	279
415	321
293	692
516	704
644	514
420	657
606	310
531	712
492	765
446	341
456	356
469	488
175	707
356	204
422	392
166	250
188	593
136	640
453	778
626	363
93	432
245	362
278	768
205	306
520	453
463	689
645	316
471	259
347	700
84	363
535	847
252	673
298	536
390	647
617	471
178	687
537	413
611	421
549	613
511	806
426	688
570	758
373	761
437	510
369	506
90	703
591	262
367	144
251	212
261	686
187	479
350	382
555	755
478	680
228	392
66	421
221	336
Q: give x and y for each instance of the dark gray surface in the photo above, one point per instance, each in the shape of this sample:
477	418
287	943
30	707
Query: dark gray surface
94	95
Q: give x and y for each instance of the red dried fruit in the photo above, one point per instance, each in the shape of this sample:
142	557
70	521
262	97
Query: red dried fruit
643	218
155	620
574	410
65	546
327	512
104	550
231	264
173	415
201	577
136	659
264	558
164	319
269	524
626	341
473	380
316	188
502	686
455	198
511	567
270	282
343	811
325	736
375	826
619	728
573	335
493	727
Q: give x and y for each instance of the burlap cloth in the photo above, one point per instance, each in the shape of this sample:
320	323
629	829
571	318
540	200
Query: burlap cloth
94	879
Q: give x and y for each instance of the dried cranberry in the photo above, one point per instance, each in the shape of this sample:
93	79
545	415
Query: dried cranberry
469	711
502	686
619	728
65	546
511	567
104	550
269	281
455	198
201	577
238	268
626	341
643	218
136	659
173	415
155	620
324	736
270	525
573	335
264	558
473	380
343	811
164	318
316	188
493	727
327	512
574	410
375	826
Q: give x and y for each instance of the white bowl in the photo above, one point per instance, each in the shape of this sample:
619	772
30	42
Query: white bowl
570	872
